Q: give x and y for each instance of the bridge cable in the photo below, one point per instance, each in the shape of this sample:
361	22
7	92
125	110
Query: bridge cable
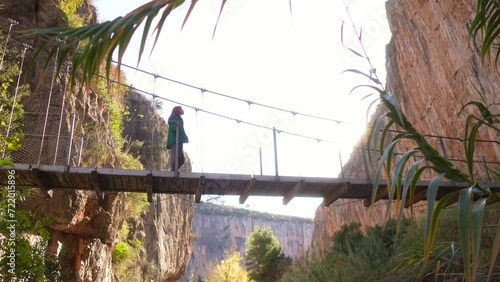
246	101
263	105
203	90
280	131
221	116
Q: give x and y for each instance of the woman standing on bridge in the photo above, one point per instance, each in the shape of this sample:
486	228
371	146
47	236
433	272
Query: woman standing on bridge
176	138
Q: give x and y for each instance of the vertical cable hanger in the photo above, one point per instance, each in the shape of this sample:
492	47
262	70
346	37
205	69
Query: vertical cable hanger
26	46
48	105
202	127
12	23
153	122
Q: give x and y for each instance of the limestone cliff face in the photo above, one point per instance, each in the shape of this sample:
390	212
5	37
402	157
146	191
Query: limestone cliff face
218	229
433	69
166	237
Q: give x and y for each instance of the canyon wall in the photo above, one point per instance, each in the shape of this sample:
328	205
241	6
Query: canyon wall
218	229
433	69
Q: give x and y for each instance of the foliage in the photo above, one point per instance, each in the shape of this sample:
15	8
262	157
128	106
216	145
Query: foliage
109	151
446	257
403	182
121	252
264	259
110	36
355	259
128	261
228	270
136	204
145	131
70	8
402	175
25	237
349	236
487	22
117	34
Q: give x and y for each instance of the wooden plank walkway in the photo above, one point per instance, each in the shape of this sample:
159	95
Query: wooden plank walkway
102	180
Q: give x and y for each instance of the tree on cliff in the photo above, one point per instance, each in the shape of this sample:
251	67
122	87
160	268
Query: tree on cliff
229	270
264	259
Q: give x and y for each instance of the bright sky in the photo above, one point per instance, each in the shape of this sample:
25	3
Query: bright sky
263	54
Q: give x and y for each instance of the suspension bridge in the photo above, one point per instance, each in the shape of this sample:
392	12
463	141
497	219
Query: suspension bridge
104	180
54	144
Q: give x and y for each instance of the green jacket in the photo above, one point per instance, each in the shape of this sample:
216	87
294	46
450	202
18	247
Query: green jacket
171	131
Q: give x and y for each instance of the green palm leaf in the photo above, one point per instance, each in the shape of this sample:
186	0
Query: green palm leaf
469	143
464	227
373	136
411	180
433	214
90	47
103	39
441	164
495	250
487	22
477	227
406	189
386	156
396	183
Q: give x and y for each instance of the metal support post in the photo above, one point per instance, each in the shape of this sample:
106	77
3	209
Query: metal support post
176	155
71	139
260	157
487	171
275	152
365	162
152	131
341	165
80	152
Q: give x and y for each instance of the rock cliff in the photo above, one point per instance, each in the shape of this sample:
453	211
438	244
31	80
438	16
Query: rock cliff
84	227
433	69
218	229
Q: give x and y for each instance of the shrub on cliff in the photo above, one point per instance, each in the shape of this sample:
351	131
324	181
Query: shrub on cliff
264	259
229	270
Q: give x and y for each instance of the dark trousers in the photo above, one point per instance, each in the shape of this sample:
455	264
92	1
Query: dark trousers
180	159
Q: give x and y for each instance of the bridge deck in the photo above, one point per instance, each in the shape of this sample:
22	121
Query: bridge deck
151	182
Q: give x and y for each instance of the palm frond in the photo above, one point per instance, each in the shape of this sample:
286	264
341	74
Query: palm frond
408	189
396	185
477	228
433	214
487	23
464	206
90	46
495	250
